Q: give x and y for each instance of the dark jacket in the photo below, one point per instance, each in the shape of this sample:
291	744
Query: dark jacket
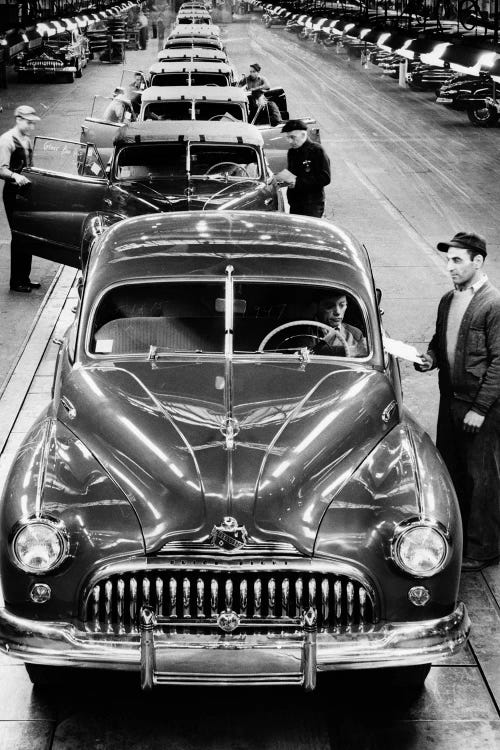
311	166
476	373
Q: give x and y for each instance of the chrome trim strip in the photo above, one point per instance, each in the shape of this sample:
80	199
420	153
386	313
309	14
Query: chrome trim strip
49	431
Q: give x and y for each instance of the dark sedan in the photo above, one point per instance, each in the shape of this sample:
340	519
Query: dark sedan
155	167
226	487
464	92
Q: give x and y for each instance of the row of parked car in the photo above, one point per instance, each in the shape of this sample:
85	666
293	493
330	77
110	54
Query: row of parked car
475	93
182	136
222	489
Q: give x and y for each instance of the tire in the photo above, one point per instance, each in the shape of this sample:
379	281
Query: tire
79	72
68	77
483	117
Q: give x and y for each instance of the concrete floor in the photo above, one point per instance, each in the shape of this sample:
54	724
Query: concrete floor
407	173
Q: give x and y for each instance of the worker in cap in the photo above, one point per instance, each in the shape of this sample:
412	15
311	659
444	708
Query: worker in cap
16	153
465	349
307	173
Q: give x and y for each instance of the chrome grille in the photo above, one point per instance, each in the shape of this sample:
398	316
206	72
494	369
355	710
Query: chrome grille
45	64
198	596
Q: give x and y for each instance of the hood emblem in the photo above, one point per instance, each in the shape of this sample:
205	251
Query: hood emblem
230	430
229	536
228	621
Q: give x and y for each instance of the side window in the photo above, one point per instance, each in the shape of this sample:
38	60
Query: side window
92	165
63	157
66	157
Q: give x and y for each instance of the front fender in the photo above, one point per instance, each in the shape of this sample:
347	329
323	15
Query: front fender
403	479
56	475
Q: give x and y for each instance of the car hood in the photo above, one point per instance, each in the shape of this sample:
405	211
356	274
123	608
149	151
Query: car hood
177	195
162	432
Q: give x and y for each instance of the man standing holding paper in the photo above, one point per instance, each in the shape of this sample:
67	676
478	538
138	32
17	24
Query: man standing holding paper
466	350
308	171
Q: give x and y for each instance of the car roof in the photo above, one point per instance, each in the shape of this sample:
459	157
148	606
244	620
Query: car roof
197	66
259	244
208	93
194	130
188	42
189	53
195	29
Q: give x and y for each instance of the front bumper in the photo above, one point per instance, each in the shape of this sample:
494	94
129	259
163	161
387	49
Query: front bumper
166	656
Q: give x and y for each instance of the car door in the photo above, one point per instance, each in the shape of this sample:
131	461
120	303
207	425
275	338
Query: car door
99	131
67	182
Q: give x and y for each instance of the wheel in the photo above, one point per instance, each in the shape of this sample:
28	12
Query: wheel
468	14
79	72
69	77
483	117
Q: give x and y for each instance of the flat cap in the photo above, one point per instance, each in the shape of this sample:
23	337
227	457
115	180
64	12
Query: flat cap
27	113
293	125
467	240
255	66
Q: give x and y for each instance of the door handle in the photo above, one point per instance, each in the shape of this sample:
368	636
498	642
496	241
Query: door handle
107	201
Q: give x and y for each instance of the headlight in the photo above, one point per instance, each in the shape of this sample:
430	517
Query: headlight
39	545
420	549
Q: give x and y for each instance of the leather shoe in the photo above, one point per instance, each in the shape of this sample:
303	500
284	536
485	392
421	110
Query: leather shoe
20	288
34	284
470	565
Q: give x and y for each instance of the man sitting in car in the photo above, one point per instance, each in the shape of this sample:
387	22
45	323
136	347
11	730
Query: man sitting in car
345	340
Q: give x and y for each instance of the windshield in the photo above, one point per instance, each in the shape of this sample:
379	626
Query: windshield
190	317
186	79
202	110
169	160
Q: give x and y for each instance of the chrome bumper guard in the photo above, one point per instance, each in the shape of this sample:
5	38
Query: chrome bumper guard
164	656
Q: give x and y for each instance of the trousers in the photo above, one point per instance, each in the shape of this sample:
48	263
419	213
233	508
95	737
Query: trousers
20	260
308	209
473	460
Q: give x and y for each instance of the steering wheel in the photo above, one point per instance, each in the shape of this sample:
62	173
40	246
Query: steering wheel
215	167
293	323
220	117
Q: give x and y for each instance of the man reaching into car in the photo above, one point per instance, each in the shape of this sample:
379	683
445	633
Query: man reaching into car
16	152
263	111
120	108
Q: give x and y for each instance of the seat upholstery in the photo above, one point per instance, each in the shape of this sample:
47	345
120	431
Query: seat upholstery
134	335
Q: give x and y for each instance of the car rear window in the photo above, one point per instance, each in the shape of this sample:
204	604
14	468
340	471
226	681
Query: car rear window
190	317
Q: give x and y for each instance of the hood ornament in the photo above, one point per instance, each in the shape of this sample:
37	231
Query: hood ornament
229	536
230	430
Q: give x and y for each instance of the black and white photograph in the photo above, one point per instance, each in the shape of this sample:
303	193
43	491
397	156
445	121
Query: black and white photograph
218	534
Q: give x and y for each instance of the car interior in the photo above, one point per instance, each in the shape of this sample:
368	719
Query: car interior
168	160
190	317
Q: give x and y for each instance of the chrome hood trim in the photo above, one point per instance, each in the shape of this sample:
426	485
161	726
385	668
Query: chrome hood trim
303	432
